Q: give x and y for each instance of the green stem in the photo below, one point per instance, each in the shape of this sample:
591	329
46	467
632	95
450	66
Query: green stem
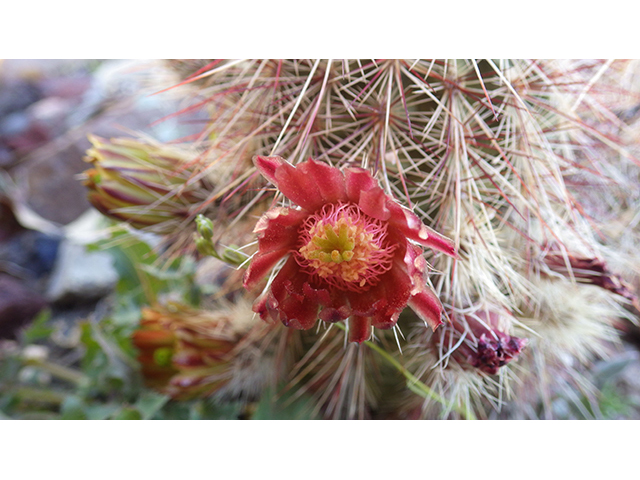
58	371
39	395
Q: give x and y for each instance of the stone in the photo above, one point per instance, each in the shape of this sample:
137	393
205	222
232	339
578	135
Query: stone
14	124
17	95
62	87
18	305
31	138
9	224
33	252
50	184
51	113
80	276
7	158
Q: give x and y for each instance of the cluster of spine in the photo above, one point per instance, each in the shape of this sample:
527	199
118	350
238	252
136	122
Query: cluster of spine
524	164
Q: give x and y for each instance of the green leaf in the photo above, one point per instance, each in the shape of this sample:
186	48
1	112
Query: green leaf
38	330
128	413
150	403
73	408
101	412
213	410
283	407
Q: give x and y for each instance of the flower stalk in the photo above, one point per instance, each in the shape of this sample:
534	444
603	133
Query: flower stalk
204	244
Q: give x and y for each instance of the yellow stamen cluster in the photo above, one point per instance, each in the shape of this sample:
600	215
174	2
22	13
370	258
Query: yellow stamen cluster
340	247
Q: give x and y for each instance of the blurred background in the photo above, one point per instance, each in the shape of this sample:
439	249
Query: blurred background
53	287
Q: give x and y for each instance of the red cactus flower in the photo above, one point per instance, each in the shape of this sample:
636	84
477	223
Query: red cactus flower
351	251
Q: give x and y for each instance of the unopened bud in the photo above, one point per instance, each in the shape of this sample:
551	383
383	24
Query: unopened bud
233	256
148	186
204	226
205	247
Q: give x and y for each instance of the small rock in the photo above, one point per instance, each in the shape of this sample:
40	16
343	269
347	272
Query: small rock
50	187
80	276
35	136
14	124
18	305
9	225
7	158
17	95
32	251
35	352
51	113
71	87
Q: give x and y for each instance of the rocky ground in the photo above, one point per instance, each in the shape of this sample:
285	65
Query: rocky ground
47	108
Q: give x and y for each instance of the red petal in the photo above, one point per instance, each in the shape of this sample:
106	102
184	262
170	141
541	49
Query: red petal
385	321
281	285
364	304
428	307
320	295
310	184
374	203
301	315
359	329
358	180
386	298
332	301
424	300
294	308
264	305
329	180
333	315
337	308
278	228
277	236
260	265
439	242
268	166
395	286
298	187
412	228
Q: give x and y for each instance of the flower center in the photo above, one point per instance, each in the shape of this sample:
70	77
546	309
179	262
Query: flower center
345	247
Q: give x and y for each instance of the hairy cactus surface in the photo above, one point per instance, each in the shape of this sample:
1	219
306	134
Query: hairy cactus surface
520	175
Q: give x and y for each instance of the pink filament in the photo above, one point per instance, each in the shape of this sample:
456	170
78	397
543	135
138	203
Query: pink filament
381	253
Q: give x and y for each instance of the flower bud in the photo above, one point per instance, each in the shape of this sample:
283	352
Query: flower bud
149	186
204	226
190	354
204	246
590	270
483	342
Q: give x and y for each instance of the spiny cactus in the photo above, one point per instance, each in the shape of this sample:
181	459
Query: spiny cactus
518	162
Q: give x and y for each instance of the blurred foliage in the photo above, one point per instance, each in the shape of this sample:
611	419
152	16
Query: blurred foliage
98	377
